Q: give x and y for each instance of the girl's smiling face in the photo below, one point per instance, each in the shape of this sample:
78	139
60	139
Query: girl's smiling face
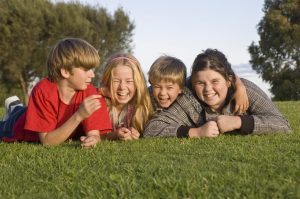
123	86
211	88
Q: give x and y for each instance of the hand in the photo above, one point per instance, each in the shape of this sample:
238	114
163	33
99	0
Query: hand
89	141
89	106
124	133
134	133
209	129
228	123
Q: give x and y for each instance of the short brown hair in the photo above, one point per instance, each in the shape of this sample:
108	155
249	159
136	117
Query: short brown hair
71	53
167	68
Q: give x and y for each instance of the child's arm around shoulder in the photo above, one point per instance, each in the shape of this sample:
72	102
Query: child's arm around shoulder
240	96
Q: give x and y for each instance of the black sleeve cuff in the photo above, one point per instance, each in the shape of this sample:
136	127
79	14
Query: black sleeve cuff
247	124
183	132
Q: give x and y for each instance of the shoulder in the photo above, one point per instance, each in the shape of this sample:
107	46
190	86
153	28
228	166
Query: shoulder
44	89
253	89
187	98
45	84
90	90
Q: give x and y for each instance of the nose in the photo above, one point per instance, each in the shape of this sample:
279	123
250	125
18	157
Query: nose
121	85
162	91
207	87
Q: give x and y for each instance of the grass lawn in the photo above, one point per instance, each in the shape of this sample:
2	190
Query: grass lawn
266	166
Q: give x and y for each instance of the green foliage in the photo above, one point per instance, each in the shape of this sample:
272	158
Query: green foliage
29	29
266	166
278	51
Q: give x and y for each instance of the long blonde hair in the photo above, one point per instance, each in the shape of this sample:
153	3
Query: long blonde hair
141	100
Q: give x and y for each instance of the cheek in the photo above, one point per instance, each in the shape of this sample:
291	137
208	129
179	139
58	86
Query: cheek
198	91
155	92
223	89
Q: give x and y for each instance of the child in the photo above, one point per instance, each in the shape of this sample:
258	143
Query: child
167	76
213	84
129	102
64	105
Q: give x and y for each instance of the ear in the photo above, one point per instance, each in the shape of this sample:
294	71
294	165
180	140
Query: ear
64	73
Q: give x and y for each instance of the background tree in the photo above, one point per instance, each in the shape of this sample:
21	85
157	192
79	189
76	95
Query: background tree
277	56
30	28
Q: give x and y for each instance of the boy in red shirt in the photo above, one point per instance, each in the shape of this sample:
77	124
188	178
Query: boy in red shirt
65	105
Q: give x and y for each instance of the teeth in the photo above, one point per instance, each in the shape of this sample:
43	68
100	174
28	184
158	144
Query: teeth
163	100
210	95
122	94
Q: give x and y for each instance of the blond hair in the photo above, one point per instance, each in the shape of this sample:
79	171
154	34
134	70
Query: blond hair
141	100
71	53
169	69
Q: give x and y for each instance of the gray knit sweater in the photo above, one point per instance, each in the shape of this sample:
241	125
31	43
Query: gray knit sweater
187	112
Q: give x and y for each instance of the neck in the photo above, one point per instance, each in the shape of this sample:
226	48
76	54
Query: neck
120	107
65	92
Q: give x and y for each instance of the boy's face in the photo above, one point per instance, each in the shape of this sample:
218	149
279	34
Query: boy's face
80	78
165	93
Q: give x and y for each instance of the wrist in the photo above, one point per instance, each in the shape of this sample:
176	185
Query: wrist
193	133
78	117
238	122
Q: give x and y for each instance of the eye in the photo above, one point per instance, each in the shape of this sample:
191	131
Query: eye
129	81
116	81
199	83
215	81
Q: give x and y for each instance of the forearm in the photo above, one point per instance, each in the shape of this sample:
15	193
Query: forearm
270	124
62	133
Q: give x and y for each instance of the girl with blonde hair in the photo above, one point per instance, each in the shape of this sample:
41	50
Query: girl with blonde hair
124	85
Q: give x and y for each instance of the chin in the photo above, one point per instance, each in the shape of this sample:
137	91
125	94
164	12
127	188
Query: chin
123	102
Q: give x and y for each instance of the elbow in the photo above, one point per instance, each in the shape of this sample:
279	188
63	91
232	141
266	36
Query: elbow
45	141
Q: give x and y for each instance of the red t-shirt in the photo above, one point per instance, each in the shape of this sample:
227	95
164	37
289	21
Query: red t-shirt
46	112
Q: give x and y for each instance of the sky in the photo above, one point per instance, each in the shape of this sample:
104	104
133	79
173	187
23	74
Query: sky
184	28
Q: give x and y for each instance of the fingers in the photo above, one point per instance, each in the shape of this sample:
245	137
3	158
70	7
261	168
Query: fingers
128	133
238	109
213	129
134	133
89	106
123	133
93	101
88	141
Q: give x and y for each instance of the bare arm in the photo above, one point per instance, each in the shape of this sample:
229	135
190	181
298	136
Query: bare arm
240	97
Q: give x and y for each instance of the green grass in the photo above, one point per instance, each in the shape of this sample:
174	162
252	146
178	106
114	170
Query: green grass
266	166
